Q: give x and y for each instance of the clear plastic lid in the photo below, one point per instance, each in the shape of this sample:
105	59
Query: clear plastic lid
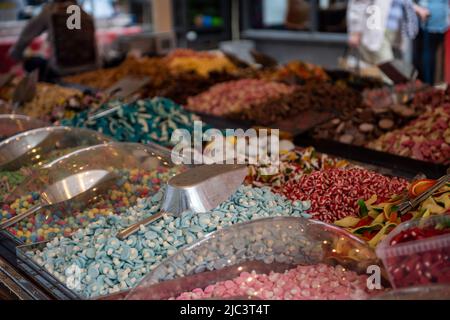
265	245
431	292
417	252
139	172
12	124
38	146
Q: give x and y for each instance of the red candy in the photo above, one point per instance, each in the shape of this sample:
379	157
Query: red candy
334	193
420	267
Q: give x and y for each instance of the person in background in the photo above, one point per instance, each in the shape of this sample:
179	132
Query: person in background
69	47
376	27
429	53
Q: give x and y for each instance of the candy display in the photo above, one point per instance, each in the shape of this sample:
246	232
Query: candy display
155	68
235	96
293	164
9	180
202	63
307	228
298	72
316	96
109	265
36	148
334	193
151	120
318	282
432	97
179	87
48	96
417	253
375	220
400	94
353	80
381	111
366	124
276	246
265	102
47	224
427	138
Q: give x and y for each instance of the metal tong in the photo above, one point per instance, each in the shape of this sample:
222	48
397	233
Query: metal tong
410	204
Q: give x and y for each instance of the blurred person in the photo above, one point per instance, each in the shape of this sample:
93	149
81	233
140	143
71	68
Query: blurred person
429	51
376	27
71	49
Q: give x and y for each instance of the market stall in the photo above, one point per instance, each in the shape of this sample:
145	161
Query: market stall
354	191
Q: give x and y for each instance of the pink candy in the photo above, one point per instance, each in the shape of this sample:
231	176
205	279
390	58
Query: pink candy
235	96
319	282
334	193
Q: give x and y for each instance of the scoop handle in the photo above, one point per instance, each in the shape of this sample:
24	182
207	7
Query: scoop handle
12	221
128	231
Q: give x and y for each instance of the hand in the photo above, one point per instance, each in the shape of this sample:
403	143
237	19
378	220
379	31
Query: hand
354	40
422	12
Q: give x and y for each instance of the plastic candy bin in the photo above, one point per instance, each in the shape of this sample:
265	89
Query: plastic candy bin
417	262
261	247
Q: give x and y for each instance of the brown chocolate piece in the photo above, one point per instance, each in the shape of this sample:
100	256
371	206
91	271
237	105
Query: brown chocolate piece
346	138
386	124
366	127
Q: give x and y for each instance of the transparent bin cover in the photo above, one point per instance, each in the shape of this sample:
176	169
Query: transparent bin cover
12	124
141	170
38	146
418	262
272	244
431	292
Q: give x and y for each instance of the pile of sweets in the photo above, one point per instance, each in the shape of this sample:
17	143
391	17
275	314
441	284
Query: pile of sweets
352	80
427	138
73	106
293	164
179	87
109	265
317	96
315	282
298	72
154	68
431	97
200	62
48	97
414	266
335	193
47	224
150	120
375	219
235	96
376	116
9	180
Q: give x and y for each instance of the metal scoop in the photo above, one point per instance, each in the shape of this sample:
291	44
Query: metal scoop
80	187
30	146
200	189
25	90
